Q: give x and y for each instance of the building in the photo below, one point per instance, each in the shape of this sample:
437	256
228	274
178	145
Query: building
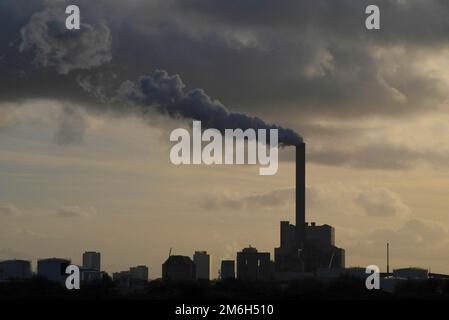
202	265
411	273
227	270
15	269
136	279
53	269
253	265
120	275
92	260
90	275
178	268
139	272
304	247
320	250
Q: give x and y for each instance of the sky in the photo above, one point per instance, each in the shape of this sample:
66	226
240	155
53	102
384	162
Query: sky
85	119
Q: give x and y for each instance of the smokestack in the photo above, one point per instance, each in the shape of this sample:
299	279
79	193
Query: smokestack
388	259
300	194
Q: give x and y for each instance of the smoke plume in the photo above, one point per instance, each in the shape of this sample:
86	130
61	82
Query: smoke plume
166	93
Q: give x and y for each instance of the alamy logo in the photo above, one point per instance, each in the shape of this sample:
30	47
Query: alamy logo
72	22
190	150
372	22
373	280
73	280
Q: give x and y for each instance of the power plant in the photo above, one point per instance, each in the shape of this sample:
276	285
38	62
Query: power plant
304	247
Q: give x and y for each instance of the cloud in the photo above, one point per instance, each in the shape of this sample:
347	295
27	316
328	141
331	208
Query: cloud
290	62
66	50
9	210
416	239
72	126
341	199
277	198
386	156
315	58
76	212
333	198
381	202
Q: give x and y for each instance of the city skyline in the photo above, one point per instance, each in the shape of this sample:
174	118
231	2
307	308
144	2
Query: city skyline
83	166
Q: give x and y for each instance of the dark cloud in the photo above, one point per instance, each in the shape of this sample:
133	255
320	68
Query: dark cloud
292	61
66	50
305	58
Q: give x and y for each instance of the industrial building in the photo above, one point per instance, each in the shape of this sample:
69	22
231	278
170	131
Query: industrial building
304	247
178	268
15	269
202	265
227	270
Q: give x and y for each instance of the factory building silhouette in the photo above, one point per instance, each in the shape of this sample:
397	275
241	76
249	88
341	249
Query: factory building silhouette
305	247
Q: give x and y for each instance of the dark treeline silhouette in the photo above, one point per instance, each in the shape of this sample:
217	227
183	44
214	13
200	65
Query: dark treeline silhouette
307	289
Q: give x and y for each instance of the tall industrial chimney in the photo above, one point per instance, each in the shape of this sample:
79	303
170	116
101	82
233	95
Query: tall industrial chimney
300	194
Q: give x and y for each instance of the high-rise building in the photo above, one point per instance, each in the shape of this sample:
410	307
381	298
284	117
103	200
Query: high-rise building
202	265
227	270
15	269
92	260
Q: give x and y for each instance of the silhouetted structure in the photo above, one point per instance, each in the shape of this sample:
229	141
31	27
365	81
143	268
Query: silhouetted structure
202	265
15	269
90	275
92	260
305	248
178	268
227	270
120	275
411	273
253	265
135	279
321	251
139	272
53	269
